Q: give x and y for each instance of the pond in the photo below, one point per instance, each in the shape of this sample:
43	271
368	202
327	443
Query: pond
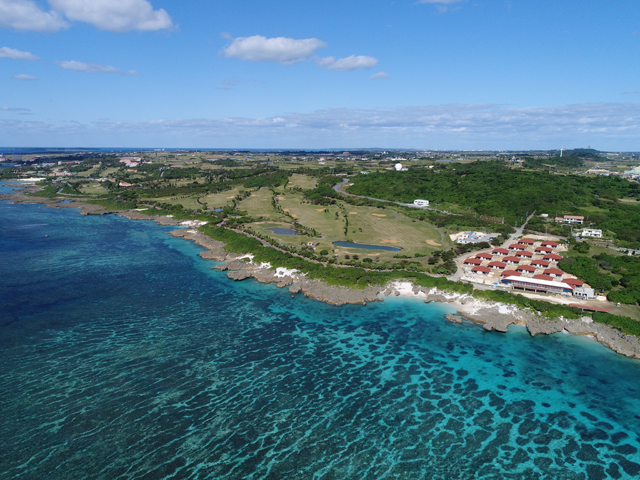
283	231
216	209
364	246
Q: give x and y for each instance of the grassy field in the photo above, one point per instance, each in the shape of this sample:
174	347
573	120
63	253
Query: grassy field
366	225
259	205
219	200
301	181
93	189
386	227
188	202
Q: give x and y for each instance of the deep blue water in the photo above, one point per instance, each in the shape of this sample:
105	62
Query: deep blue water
283	231
365	246
123	355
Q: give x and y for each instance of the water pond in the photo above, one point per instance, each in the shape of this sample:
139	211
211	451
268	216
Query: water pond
283	231
364	246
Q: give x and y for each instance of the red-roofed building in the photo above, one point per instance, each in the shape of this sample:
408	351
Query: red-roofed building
526	241
517	246
540	263
550	244
573	281
554	272
510	273
511	260
552	257
543	277
473	261
526	268
500	251
524	254
543	250
483	270
484	256
498	265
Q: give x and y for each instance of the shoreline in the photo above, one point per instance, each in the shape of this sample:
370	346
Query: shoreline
491	315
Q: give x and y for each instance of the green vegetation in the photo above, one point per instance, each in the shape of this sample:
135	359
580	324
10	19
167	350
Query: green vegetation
624	324
493	191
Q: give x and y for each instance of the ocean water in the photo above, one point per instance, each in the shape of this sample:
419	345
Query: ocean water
123	355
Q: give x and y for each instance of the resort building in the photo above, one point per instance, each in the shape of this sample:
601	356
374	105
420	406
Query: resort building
542	249
497	265
517	246
473	261
525	269
584	293
552	257
535	285
540	263
526	241
420	203
554	272
591	232
500	251
524	254
511	260
570	219
550	244
510	273
481	270
484	256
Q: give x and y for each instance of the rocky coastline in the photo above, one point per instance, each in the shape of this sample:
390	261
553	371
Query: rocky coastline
493	316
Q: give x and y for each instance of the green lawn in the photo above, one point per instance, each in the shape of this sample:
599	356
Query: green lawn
219	200
259	205
301	181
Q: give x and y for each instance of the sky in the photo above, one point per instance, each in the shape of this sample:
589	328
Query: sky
425	74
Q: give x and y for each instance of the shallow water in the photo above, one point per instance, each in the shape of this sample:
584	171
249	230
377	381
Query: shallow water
125	356
365	246
283	231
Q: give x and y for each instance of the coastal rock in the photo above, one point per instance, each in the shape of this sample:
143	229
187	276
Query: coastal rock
616	340
239	275
544	325
436	298
295	288
336	295
453	318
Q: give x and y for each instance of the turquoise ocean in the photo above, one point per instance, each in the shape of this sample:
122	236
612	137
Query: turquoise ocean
124	355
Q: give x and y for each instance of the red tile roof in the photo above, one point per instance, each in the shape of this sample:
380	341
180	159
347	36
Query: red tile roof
481	269
484	255
473	261
591	309
543	277
573	281
517	246
511	259
552	256
524	254
553	271
550	244
544	249
500	251
528	241
510	273
498	264
542	263
525	268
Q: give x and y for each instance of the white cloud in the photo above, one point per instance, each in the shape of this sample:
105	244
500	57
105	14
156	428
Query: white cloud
6	52
115	15
378	75
14	109
23	76
354	62
441	5
285	51
26	15
91	67
612	126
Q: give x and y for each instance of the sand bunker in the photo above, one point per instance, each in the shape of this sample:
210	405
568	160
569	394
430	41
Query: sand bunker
285	210
389	240
373	255
320	209
353	213
434	243
294	215
378	215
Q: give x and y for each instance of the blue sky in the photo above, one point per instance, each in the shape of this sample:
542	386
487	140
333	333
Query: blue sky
436	74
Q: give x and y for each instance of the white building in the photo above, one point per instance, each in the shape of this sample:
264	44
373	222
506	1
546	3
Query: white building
591	232
421	203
